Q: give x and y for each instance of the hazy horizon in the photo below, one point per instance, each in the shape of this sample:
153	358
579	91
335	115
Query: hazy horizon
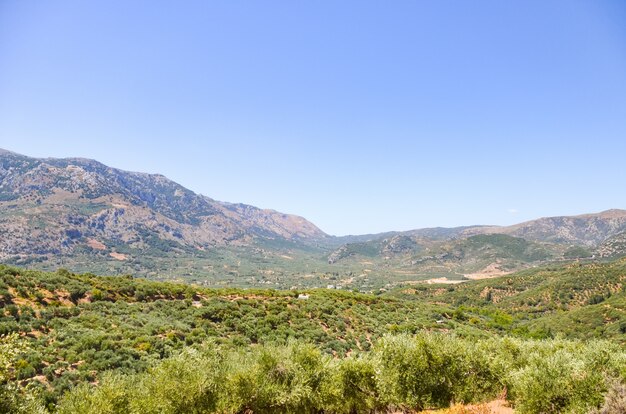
360	117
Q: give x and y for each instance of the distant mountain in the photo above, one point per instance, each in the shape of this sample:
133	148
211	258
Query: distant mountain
88	217
483	251
588	230
61	206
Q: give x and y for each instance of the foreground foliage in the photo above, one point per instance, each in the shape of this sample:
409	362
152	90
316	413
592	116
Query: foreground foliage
79	326
13	398
402	372
62	330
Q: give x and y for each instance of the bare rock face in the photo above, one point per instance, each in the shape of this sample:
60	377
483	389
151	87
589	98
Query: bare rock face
56	206
613	246
341	253
398	244
588	230
602	233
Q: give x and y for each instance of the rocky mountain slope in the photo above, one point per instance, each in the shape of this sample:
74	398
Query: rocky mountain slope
586	230
487	251
88	217
60	206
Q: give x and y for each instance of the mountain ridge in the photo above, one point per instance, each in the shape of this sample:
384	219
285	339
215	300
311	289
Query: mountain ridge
122	204
83	214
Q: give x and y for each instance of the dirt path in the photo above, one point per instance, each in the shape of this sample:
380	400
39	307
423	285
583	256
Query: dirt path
493	407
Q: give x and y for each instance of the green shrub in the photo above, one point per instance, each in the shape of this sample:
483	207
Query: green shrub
272	379
565	376
187	383
15	398
432	370
350	387
112	396
405	372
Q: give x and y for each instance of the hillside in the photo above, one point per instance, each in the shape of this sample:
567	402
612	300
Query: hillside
578	300
77	202
73	208
487	251
410	259
87	217
67	319
588	229
76	327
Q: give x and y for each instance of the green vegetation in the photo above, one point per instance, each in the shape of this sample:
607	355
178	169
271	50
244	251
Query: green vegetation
504	247
576	252
80	325
409	373
577	300
186	348
13	397
401	258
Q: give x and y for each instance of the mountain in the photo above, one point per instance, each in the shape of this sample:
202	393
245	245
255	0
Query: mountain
85	216
587	230
64	206
486	251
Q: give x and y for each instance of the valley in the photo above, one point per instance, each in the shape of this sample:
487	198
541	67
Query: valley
116	286
75	327
84	216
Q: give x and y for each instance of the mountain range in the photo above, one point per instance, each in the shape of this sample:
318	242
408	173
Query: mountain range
81	214
52	206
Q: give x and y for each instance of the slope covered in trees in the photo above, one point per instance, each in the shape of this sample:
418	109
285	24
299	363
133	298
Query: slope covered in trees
577	300
74	330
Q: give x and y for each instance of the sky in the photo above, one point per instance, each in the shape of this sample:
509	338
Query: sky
362	116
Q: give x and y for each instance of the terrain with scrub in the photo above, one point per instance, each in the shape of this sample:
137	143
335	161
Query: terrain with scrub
212	306
84	216
549	339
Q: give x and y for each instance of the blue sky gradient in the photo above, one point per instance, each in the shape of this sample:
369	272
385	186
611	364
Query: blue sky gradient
362	116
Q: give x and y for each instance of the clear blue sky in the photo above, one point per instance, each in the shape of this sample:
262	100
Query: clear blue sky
362	116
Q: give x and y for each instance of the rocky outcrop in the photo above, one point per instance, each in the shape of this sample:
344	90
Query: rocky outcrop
613	246
55	206
398	245
586	230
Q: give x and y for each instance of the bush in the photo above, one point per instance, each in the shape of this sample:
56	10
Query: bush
187	383
565	376
13	398
431	370
351	387
401	372
112	396
273	379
